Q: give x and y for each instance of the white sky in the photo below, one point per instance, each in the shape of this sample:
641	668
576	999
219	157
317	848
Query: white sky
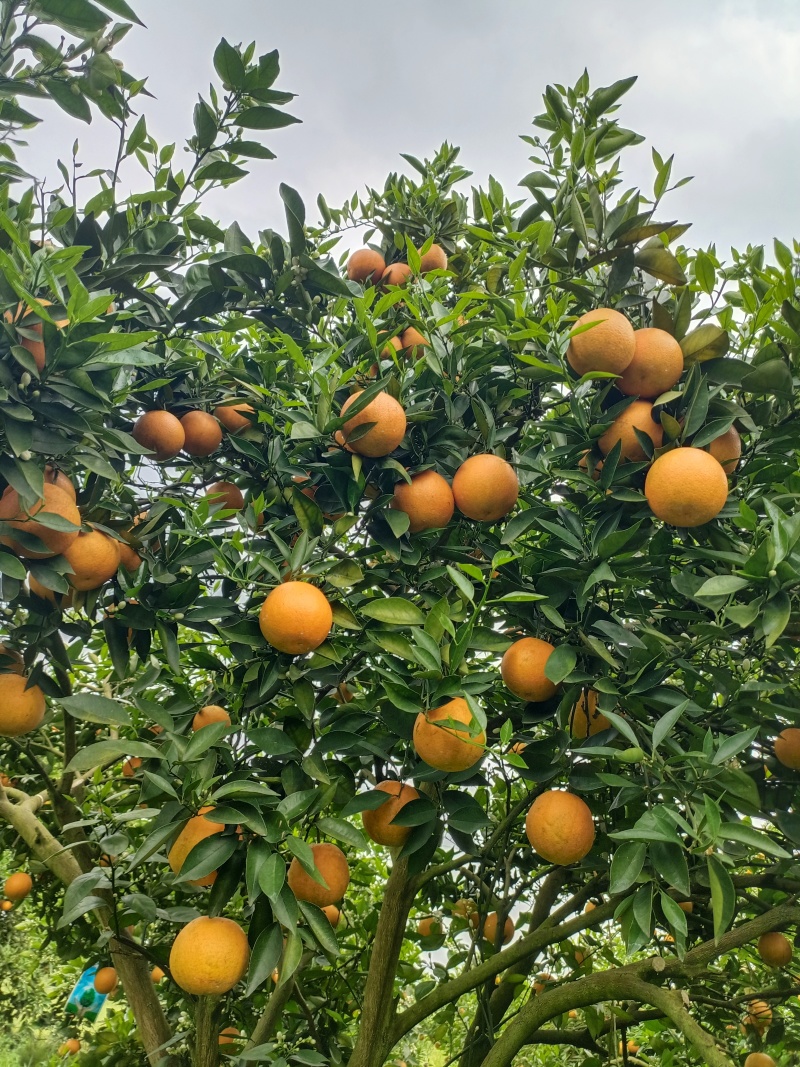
719	85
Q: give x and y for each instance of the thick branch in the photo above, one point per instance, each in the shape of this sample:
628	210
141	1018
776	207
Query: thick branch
272	1012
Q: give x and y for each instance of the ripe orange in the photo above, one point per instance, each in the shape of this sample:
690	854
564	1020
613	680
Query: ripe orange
637	416
609	346
332	914
448	748
229	1035
759	1016
597	467
17	886
434	259
33	345
6	905
413	341
234	416
584	719
518	747
131	766
559	827
465	909
775	949
198	828
71	1047
759	1059
54	501
430	926
387	433
396	274
485	487
727	449
60	480
160	433
209	956
686	905
787	747
295	618
656	366
540	984
202	433
11	662
522	668
226	494
129	558
427	500
490	928
210	713
331	863
156	975
394	344
366	265
105	980
21	709
378	821
686	487
94	558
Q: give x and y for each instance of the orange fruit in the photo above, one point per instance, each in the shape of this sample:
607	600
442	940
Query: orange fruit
775	949
584	719
331	863
198	828
210	713
759	1016
60	480
413	341
522	668
636	416
490	928
633	1046
434	259
597	467
686	487
17	886
430	926
11	662
54	501
105	980
33	345
787	747
156	975
6	905
366	265
759	1059
559	827
608	346
448	748
160	433
71	1047
128	557
396	274
485	487
21	709
465	909
656	366
332	914
209	956
427	500
296	618
686	905
589	906
234	416
226	494
378	821
727	449
387	433
394	344
202	433
94	558
229	1035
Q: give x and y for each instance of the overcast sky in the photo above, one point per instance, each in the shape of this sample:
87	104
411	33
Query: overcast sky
719	85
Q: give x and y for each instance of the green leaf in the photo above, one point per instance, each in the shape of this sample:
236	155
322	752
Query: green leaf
264	117
207	855
669	860
664	725
202	740
341	831
656	260
723	896
729	746
706	342
747	835
295	213
320	927
560	663
228	64
626	865
394	610
76	16
108	752
264	957
722	585
272	875
91	708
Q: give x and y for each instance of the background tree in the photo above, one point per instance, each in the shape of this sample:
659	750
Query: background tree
269	600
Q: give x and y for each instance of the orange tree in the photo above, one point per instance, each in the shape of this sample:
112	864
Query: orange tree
400	647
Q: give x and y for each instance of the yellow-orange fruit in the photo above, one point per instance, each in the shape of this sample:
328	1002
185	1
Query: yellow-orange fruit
229	1035
448	748
17	886
11	662
94	558
686	905
71	1047
413	341
427	500
209	956
202	433
21	709
759	1059
366	265
33	345
331	863
522	668
465	909
60	481
234	416
540	984
759	1017
584	719
597	467
196	829
686	487
559	827
378	821
775	949
332	914
129	558
54	501
131	766
430	926
490	928
387	433
210	713
787	748
636	416
6	905
105	980
394	344
485	487
727	449
295	618
227	494
608	346
656	366
434	259
160	433
396	274
633	1046
156	975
